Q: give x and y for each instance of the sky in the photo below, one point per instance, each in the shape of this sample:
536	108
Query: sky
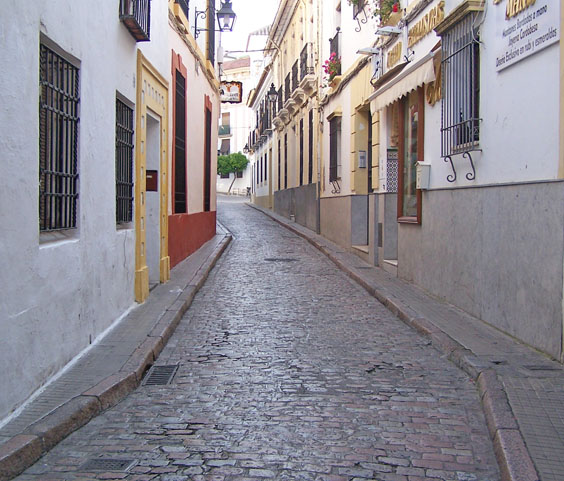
251	16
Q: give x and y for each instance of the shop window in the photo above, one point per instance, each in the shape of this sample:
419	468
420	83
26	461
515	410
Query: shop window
411	129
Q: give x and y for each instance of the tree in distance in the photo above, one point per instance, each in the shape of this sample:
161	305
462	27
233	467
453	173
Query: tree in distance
231	164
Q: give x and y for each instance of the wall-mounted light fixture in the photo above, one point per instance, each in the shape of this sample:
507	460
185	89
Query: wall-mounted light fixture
388	31
225	17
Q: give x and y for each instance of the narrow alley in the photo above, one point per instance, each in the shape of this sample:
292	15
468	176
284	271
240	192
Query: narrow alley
287	369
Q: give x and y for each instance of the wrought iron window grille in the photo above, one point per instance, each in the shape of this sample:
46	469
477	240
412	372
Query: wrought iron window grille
460	120
306	61
124	163
136	16
58	141
287	89
295	75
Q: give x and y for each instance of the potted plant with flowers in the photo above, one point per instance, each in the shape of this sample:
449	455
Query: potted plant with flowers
389	11
332	68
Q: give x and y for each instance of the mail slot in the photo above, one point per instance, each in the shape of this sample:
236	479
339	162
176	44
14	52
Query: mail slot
152	182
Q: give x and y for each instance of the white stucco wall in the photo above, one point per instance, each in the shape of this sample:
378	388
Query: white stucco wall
58	295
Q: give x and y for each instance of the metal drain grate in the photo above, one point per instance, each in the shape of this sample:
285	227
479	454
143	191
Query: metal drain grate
160	375
107	465
542	367
280	259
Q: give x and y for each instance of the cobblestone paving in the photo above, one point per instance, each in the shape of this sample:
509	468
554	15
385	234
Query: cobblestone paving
290	371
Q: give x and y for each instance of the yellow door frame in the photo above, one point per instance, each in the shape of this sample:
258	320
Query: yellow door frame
152	93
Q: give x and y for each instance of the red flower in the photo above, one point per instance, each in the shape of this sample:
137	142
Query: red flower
395	7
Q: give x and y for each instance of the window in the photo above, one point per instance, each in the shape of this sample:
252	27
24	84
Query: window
265	166
180	144
208	150
334	148
58	141
124	163
285	161
224	176
310	147
225	148
460	126
279	162
239	174
411	132
301	151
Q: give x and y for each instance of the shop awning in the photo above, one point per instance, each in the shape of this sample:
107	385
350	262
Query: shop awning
422	72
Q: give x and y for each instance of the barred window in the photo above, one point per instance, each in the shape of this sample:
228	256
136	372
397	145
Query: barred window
124	163
460	125
58	141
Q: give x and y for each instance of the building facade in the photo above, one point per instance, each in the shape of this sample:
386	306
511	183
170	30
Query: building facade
235	124
88	209
440	148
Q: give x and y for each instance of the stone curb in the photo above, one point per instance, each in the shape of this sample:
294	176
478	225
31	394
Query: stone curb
23	450
513	458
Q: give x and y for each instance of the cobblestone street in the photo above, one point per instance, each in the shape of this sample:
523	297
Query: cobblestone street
287	370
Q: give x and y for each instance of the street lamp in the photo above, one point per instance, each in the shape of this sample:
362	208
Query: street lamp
246	149
272	94
225	17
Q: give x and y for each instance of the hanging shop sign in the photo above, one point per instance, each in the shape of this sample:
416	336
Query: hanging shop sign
231	92
525	27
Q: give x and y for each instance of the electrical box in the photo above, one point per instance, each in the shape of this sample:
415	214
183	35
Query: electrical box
423	174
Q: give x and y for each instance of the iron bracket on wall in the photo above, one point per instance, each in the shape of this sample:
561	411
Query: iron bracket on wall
360	21
336	187
469	176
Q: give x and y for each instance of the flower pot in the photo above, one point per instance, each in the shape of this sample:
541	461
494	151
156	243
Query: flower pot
392	20
334	83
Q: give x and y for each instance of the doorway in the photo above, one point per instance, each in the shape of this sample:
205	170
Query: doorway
153	232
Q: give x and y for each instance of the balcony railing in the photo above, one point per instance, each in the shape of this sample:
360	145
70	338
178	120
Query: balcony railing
280	99
224	130
287	91
136	16
183	5
295	77
306	66
334	46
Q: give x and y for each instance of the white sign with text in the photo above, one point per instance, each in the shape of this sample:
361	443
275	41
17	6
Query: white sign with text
527	33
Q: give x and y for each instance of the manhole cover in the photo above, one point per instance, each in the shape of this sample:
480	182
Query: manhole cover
160	375
107	465
280	259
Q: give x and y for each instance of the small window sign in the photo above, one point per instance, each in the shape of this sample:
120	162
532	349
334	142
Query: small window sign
231	92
